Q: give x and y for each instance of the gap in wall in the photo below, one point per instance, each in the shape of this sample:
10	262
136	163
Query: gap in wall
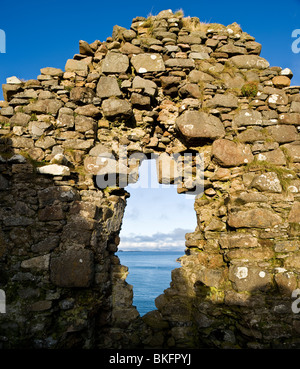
153	235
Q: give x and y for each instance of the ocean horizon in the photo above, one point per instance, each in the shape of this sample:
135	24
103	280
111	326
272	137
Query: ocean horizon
149	274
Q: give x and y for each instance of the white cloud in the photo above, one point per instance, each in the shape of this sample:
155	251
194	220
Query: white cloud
174	240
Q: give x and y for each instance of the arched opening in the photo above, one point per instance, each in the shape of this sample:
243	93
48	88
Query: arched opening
153	235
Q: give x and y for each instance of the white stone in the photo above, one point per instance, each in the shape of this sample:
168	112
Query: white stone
199	55
262	274
55	170
286	72
242	272
280	308
280	270
273	98
261	157
38	262
293	189
13	80
142	70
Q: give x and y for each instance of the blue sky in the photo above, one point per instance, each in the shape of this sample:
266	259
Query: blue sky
46	33
156	216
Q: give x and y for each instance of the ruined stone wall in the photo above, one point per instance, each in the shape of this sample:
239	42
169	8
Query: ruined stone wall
168	85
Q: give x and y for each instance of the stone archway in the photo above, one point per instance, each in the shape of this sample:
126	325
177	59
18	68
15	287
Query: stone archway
169	85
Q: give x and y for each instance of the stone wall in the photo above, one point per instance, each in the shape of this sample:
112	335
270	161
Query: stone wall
169	85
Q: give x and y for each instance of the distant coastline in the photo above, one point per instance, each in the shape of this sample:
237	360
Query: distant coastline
153	250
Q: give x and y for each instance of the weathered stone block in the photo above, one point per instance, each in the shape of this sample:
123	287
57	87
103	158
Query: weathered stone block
230	154
41	306
89	110
65	118
51	194
22	142
287	246
275	157
295	107
191	90
190	40
20	119
85	48
180	63
38	128
197	126
283	133
38	262
232	50
140	102
212	277
251	135
286	282
223	101
116	108
267	182
45	142
147	86
250	254
292	262
84	124
278	98
77	66
108	87
144	63
82	94
250	278
238	241
249	62
74	268
254	218
281	81
54	170
290	118
294	216
247	117
19	221
130	49
53	72
50	213
84	209
115	62
45	106
46	245
197	76
293	151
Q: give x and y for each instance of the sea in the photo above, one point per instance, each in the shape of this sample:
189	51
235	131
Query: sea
149	274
